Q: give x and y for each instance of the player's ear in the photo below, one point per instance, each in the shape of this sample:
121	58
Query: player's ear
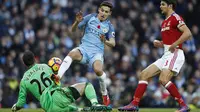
99	9
170	5
110	13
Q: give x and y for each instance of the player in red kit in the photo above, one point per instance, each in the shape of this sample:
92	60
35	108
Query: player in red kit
174	32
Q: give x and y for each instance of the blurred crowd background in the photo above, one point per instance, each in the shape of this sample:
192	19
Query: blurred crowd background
42	26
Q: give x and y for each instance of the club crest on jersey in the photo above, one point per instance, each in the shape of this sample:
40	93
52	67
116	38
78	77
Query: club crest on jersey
105	30
168	24
164	25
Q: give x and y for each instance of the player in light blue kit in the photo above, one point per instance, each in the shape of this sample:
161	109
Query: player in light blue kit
98	31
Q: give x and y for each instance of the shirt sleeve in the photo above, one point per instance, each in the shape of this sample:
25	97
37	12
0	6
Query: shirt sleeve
22	95
111	32
82	24
178	21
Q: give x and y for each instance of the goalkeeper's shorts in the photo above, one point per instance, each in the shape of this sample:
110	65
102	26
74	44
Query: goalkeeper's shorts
57	100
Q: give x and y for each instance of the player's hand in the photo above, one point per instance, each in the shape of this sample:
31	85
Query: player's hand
158	43
172	48
56	79
103	38
79	16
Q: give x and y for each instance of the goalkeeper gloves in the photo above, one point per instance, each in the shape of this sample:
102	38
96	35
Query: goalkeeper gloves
55	78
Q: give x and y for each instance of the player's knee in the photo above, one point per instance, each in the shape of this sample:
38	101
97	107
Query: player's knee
74	55
98	71
163	81
87	84
143	76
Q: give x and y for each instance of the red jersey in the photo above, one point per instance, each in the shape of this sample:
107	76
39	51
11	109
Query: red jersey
169	29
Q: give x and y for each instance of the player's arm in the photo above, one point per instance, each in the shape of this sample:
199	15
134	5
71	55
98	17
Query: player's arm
158	43
21	98
110	42
185	35
111	37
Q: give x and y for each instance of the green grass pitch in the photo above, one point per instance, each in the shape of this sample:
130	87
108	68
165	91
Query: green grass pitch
114	110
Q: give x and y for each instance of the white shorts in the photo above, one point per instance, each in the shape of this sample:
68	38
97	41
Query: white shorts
172	61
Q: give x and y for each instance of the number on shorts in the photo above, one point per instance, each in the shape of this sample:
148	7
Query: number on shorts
166	63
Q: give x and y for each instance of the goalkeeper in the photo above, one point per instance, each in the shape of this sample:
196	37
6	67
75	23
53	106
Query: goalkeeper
53	98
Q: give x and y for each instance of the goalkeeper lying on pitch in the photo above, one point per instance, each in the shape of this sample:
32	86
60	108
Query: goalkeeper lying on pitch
53	98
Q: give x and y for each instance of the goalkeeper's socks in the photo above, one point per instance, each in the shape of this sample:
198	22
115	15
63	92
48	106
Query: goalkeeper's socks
141	88
95	103
90	93
174	93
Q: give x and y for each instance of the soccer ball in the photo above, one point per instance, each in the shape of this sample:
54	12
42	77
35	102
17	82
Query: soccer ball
55	63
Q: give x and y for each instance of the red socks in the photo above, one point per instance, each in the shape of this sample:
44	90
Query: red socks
174	93
141	88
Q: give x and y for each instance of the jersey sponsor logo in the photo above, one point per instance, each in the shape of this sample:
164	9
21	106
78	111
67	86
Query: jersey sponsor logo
93	22
165	28
94	31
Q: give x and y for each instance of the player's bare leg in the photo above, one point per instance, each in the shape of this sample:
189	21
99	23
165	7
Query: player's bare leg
98	69
164	79
74	54
145	75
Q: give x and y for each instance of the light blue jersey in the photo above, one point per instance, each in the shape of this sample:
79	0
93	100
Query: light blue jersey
92	48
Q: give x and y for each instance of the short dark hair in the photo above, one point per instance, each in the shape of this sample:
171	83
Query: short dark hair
108	4
28	58
173	2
